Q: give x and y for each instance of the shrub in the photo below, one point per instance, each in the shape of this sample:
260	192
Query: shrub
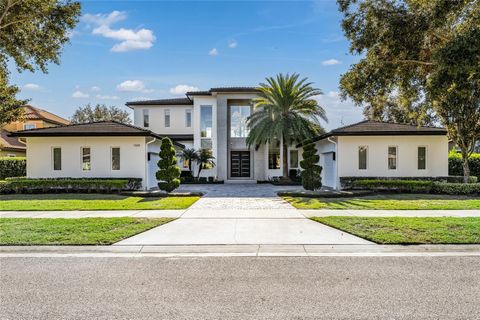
169	172
311	174
12	167
394	185
348	182
456	188
455	164
24	185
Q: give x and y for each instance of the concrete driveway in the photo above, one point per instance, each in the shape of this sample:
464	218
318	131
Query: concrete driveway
241	214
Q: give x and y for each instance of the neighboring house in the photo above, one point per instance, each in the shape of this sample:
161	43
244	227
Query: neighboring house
215	119
33	118
381	149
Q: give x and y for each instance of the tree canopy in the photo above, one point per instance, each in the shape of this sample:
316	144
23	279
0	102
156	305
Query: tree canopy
420	63
32	35
100	113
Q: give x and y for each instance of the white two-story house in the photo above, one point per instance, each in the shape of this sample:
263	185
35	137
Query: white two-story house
216	120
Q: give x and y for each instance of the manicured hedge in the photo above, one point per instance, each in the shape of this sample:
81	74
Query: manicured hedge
455	164
416	186
24	185
348	182
12	167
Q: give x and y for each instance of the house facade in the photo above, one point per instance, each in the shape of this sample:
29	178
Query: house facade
33	118
216	120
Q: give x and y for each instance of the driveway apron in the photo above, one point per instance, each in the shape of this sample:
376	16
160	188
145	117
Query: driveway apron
241	214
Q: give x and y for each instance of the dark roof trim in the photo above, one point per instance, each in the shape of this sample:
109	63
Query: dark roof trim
163	102
63	131
409	130
224	90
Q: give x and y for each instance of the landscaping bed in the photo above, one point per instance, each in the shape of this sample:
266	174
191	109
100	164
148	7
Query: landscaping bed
83	231
90	201
394	201
399	230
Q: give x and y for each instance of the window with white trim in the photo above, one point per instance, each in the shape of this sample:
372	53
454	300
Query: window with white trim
293	159
362	157
188	118
115	151
86	158
392	158
422	158
146	118
29	126
57	158
167	118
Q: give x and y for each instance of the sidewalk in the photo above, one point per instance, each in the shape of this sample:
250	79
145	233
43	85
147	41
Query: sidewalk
390	213
240	251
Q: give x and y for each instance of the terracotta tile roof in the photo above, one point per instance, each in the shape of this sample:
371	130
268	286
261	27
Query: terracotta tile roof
92	129
379	128
33	113
10	143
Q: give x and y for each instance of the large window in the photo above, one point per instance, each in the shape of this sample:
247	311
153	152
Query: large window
146	118
362	157
422	158
392	158
86	159
57	159
274	154
206	127
115	158
238	120
188	118
167	118
293	159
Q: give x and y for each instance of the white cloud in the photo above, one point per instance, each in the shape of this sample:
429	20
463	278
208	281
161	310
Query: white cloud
99	96
133	86
32	86
331	62
213	52
232	44
129	39
182	89
79	94
95	88
339	112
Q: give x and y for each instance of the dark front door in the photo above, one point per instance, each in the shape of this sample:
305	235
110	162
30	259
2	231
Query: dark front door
240	164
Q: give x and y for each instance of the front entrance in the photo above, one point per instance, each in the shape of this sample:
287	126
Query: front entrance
240	164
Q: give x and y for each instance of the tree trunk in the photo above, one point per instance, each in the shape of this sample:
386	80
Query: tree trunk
285	160
466	167
199	170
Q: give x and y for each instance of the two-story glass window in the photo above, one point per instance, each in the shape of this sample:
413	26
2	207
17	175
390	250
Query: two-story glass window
392	158
206	123
422	158
188	118
167	118
86	159
57	158
146	118
238	120
362	157
115	158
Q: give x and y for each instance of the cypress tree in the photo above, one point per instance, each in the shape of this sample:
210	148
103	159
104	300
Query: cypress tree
169	172
311	179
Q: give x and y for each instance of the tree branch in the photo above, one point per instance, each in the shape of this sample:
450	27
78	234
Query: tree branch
12	22
425	63
8	7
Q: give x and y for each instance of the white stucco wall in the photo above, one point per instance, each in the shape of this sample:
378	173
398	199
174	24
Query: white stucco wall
157	119
377	156
40	157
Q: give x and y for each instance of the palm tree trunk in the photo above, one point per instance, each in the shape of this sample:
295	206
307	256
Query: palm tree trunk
285	160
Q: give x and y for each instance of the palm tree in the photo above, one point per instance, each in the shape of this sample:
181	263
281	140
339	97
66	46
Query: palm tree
285	110
190	155
205	158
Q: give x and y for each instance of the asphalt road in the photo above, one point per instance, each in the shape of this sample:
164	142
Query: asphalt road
240	288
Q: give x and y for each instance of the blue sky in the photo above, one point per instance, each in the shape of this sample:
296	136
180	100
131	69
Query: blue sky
127	50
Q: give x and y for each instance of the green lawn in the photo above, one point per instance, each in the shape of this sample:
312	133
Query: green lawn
93	201
399	230
389	202
83	231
